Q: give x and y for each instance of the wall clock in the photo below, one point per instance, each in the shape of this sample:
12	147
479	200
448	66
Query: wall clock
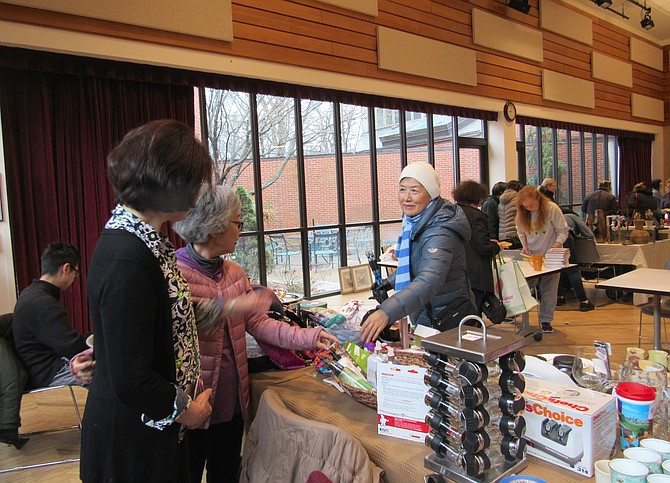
509	111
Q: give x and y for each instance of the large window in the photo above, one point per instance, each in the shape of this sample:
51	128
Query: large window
577	160
318	179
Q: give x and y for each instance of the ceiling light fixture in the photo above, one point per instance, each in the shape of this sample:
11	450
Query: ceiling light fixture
647	23
520	5
604	3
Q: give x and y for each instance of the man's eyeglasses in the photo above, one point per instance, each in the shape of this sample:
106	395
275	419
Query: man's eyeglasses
76	271
240	224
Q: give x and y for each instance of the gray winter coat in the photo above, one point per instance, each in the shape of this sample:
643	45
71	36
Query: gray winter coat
507	215
437	265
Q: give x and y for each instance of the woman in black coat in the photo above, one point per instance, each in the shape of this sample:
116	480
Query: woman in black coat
145	388
640	200
481	248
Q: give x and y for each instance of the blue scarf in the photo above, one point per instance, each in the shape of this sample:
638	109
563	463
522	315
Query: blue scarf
402	277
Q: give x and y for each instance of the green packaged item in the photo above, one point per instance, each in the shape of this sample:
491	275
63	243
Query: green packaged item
359	355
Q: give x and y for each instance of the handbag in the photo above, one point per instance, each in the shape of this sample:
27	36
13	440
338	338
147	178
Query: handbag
450	316
492	305
514	289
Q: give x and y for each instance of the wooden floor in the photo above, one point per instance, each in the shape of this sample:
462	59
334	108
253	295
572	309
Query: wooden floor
615	322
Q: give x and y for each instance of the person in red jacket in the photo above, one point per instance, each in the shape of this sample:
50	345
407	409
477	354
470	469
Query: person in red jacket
227	308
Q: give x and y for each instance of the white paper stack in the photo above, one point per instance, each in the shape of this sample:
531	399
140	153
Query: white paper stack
557	257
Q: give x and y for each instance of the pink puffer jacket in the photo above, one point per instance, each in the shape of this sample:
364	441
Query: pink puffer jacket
258	324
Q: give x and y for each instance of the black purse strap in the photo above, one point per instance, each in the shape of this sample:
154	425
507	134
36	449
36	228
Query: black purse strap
496	284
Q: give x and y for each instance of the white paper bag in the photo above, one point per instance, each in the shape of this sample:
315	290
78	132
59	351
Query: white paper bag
516	294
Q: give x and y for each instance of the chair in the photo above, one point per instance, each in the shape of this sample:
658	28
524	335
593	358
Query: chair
283	249
325	244
359	240
16	392
586	256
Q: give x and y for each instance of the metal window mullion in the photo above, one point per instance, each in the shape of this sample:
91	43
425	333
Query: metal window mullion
302	196
339	179
374	172
258	187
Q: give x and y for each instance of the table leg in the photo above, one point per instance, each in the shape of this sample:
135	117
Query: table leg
657	321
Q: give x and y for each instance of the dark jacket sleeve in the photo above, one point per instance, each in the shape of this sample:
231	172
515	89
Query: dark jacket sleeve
436	260
481	240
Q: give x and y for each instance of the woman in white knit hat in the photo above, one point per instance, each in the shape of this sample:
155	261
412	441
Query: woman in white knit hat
431	283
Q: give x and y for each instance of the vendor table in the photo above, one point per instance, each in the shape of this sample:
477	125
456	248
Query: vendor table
649	255
401	460
653	281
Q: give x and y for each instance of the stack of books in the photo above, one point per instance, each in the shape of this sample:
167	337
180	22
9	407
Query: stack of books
557	258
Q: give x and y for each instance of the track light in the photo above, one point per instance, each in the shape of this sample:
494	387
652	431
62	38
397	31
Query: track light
520	5
604	3
647	23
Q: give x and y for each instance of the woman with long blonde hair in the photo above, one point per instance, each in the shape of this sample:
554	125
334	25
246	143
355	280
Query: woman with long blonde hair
541	226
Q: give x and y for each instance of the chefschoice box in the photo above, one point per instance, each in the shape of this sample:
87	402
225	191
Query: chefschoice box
401	409
569	426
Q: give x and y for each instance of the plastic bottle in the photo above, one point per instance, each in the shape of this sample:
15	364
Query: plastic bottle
373	360
350	377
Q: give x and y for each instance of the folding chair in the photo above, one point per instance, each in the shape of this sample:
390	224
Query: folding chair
5	331
587	257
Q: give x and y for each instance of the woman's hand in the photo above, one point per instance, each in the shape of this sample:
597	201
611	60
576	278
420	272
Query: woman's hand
525	251
373	326
198	411
325	340
557	245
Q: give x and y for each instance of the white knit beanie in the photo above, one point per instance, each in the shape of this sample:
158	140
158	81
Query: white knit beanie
425	174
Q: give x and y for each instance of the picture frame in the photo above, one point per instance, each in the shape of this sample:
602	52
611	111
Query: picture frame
362	277
346	280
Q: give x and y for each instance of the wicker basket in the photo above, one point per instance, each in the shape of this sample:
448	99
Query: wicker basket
367	398
410	357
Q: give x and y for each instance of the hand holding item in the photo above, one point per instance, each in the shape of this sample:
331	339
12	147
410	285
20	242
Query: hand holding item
557	245
373	326
198	411
82	366
325	340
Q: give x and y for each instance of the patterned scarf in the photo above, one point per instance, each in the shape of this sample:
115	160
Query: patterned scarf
184	334
402	277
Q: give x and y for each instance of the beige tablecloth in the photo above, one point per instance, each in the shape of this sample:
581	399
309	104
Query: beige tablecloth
650	255
402	461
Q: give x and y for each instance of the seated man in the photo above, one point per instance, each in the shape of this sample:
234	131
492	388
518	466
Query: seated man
44	339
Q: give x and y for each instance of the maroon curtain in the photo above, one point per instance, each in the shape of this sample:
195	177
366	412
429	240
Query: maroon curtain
57	131
634	165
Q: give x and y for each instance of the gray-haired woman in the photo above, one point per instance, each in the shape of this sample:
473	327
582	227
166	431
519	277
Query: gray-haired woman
226	308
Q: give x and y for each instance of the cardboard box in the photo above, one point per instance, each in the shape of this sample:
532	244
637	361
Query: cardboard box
401	409
569	426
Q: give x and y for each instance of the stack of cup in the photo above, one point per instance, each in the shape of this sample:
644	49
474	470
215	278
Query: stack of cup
635	404
651	374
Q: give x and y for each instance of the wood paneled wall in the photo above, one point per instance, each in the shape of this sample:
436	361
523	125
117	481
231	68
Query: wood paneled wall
318	35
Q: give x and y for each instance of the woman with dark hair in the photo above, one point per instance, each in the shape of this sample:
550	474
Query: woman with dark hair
227	308
541	226
145	391
481	248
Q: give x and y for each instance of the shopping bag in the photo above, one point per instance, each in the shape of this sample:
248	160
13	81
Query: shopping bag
516	295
